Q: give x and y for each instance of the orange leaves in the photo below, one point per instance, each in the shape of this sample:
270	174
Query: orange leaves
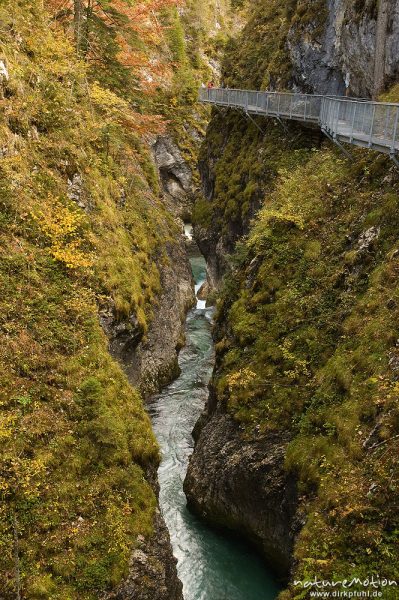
135	26
57	5
143	24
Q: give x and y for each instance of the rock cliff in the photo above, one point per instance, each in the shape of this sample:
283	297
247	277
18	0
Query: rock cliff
150	363
355	53
240	484
296	241
176	175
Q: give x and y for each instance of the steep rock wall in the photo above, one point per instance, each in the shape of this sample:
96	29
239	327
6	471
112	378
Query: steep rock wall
176	175
294	358
150	364
320	46
240	484
357	53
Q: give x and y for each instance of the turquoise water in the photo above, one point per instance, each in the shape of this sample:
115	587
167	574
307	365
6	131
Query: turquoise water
211	566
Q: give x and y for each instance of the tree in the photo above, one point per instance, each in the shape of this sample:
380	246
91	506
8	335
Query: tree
123	30
78	22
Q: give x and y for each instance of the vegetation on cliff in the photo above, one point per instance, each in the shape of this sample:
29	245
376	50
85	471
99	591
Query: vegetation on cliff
308	314
258	57
82	229
310	346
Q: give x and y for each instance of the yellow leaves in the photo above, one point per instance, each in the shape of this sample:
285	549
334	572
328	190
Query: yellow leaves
71	255
23	477
118	112
268	217
7	423
321	562
106	100
241	378
299	365
239	384
62	226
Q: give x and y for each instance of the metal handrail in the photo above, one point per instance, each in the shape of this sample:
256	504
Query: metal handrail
360	122
293	94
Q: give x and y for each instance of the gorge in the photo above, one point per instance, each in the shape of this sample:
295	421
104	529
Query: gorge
210	565
199	312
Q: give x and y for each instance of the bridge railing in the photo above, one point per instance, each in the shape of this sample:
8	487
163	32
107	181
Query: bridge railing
370	124
302	107
357	121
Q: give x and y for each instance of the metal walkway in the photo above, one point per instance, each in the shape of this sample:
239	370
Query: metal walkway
359	122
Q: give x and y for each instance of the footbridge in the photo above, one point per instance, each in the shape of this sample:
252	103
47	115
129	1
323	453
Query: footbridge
359	122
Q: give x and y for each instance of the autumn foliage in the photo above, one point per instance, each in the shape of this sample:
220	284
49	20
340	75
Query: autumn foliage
82	229
135	29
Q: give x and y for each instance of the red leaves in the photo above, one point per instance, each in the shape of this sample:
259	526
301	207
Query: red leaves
136	28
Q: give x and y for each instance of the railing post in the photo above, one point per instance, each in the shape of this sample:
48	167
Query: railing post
337	119
331	116
353	122
387	121
267	103
306	106
372	128
327	108
364	116
322	112
278	104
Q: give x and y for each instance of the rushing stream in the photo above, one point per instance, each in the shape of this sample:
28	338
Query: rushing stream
211	566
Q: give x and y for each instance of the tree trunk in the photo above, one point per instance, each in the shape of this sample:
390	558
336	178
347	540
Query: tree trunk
88	15
380	46
78	10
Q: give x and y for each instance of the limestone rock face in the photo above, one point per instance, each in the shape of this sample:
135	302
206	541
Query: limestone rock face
4	75
154	362
356	54
241	485
176	176
76	192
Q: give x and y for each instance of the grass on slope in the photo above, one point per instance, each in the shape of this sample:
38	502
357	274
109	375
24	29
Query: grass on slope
80	226
308	318
309	344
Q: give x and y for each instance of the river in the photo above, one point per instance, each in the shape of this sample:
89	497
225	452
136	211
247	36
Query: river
212	566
